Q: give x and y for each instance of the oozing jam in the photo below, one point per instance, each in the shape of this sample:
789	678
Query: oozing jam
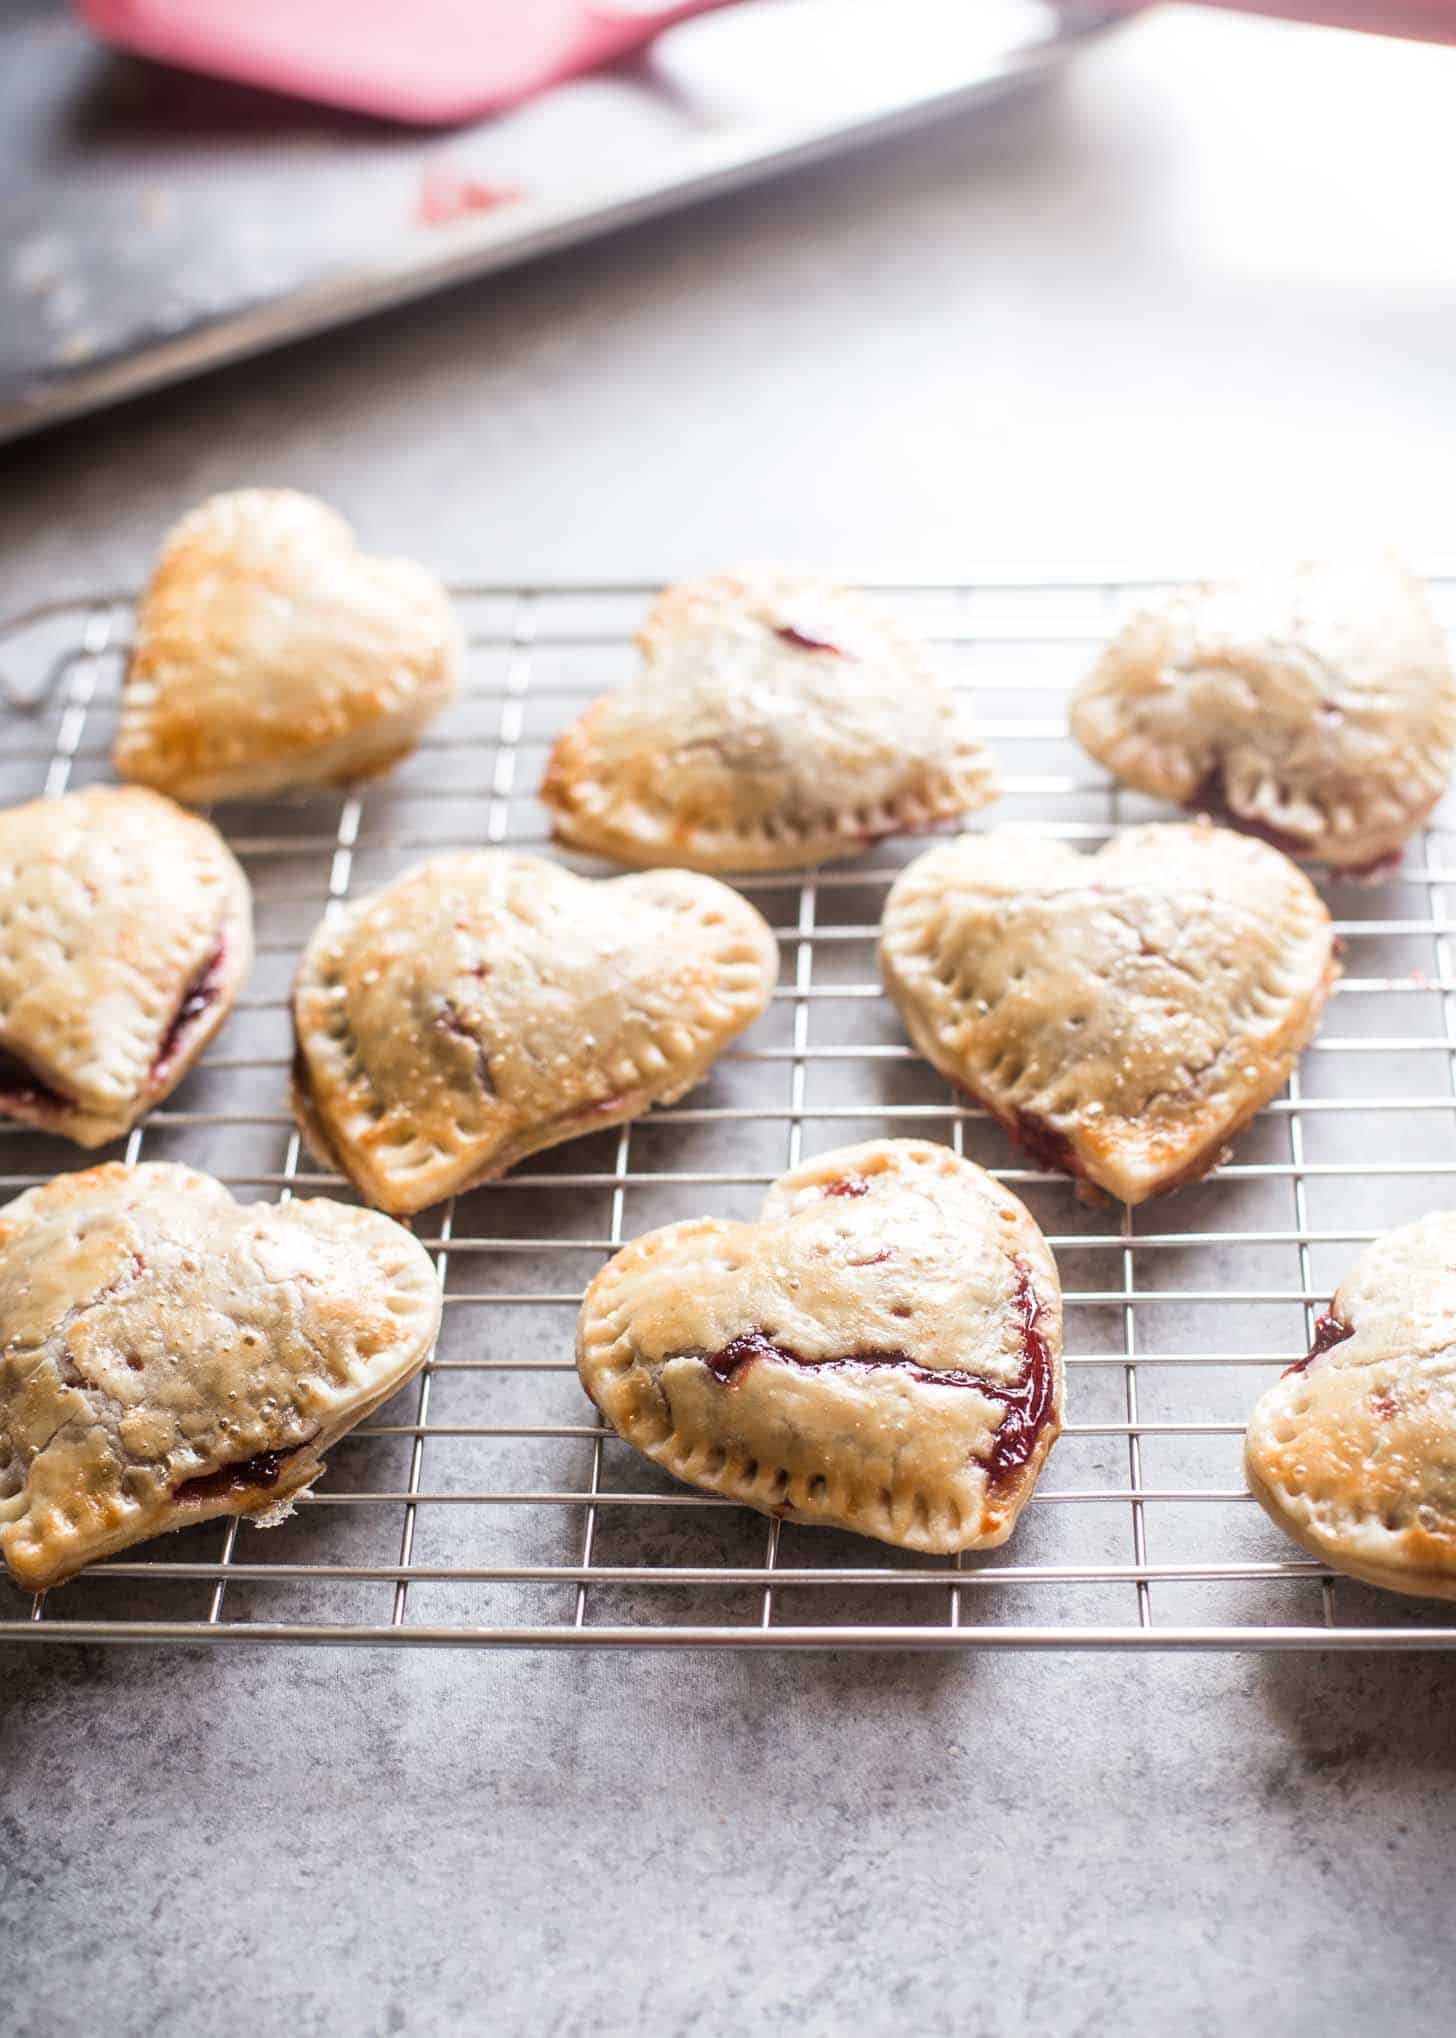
260	1470
1329	1330
1026	1402
1210	796
450	1020
1042	1142
22	1088
802	641
199	994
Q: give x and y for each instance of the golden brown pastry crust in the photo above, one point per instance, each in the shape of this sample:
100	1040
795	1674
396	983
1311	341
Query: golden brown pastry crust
167	1356
1316	708
1353	1451
792	1363
1124	1014
271	652
126	933
487	1004
777	721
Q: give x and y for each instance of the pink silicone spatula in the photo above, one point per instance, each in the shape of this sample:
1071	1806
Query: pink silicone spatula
429	61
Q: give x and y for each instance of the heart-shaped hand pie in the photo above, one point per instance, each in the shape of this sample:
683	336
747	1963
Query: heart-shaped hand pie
881	1351
166	1356
1122	1014
270	652
1353	1452
1316	708
486	1005
126	930
776	721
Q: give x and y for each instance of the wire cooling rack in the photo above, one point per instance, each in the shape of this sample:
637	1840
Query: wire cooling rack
486	1504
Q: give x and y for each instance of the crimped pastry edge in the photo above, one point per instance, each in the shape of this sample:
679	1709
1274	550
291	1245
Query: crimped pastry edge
582	815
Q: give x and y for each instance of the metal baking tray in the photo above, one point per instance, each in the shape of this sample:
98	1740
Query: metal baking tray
487	1506
153	224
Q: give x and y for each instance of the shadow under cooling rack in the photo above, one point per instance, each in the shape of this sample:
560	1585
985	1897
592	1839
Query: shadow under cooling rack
486	1505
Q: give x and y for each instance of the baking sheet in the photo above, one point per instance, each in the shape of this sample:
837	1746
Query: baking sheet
153	224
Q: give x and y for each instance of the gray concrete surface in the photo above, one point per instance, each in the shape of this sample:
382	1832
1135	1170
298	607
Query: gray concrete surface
1193	304
323	1843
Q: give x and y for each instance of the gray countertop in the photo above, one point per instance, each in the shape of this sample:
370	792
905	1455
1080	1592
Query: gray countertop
1194	304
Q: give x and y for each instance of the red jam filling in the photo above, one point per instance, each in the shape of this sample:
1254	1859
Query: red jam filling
451	1021
1210	796
1026	1402
848	1185
1329	1330
1042	1143
259	1470
447	194
199	994
802	641
22	1087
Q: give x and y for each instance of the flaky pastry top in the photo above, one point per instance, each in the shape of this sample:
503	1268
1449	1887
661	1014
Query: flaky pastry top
880	1350
116	910
167	1355
269	651
1353	1451
776	720
488	1004
1315	707
1121	1013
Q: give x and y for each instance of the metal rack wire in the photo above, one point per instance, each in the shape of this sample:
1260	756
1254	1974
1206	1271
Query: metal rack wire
486	1505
